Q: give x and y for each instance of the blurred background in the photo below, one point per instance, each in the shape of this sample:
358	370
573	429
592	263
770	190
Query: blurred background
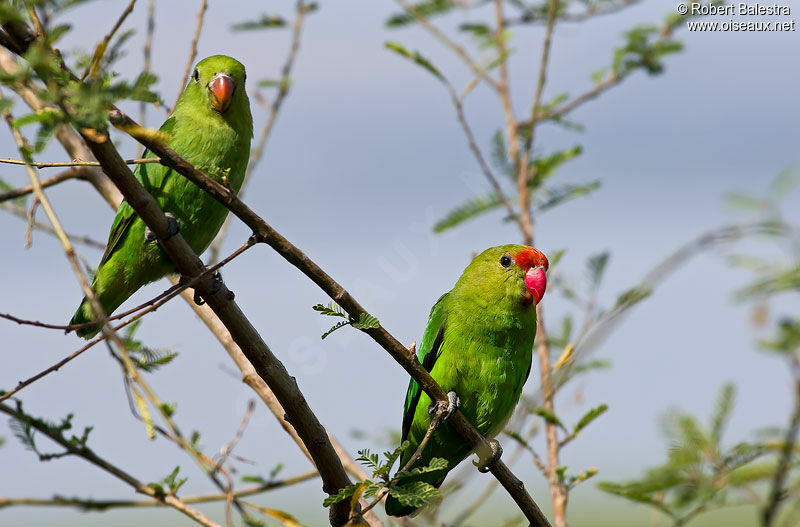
365	157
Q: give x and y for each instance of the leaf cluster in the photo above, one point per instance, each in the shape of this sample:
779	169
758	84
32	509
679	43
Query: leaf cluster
363	322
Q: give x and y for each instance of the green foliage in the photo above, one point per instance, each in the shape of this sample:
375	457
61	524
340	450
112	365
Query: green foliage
145	358
415	57
588	417
364	321
25	426
5	187
415	494
265	22
436	464
699	470
169	484
549	416
424	9
645	48
261	480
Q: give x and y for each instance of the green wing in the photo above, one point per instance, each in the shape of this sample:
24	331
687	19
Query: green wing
152	176
430	349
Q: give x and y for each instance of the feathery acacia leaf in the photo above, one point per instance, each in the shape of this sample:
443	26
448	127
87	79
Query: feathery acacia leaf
467	211
415	57
424	9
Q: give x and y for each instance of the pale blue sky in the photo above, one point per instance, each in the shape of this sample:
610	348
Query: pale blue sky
366	155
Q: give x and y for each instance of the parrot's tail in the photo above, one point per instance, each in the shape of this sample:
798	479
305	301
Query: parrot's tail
110	300
395	508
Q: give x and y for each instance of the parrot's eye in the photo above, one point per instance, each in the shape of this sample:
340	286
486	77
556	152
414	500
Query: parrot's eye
505	261
196	75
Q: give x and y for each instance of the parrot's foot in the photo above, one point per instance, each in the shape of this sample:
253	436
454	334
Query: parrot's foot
174	227
495	452
216	286
453	402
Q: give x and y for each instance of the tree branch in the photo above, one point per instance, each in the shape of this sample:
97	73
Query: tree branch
89	455
103	505
220	299
266	234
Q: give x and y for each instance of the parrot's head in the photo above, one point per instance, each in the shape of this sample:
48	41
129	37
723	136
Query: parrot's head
217	86
508	275
221	78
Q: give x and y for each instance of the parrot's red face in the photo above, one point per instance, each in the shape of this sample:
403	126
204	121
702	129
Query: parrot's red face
535	266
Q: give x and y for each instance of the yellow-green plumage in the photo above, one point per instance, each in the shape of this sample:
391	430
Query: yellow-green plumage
215	138
478	343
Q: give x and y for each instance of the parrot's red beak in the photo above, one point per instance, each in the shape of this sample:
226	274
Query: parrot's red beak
536	282
221	90
535	265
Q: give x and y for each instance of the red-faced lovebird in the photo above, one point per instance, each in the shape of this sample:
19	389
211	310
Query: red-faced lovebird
478	346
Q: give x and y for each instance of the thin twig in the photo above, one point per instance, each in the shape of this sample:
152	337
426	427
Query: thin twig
192	50
449	43
93	67
273	108
476	151
135	161
151	306
103	505
146	51
76	238
535	16
73	173
777	491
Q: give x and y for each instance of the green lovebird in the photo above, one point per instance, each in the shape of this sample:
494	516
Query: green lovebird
211	127
478	346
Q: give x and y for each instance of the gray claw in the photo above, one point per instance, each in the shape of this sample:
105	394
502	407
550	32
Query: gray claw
495	452
173	228
453	402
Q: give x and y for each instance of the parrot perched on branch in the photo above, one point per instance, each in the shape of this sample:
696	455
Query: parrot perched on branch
478	346
211	127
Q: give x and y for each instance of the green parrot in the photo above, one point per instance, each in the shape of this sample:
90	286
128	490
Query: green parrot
211	127
478	346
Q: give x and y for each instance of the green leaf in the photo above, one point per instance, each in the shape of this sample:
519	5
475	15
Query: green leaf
336	326
436	464
744	202
553	197
424	9
589	416
631	297
415	57
265	22
342	495
596	266
722	413
784	183
467	211
331	310
366	321
5	187
414	494
549	416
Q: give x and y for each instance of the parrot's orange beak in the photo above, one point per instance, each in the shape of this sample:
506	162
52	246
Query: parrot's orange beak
221	90
535	265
